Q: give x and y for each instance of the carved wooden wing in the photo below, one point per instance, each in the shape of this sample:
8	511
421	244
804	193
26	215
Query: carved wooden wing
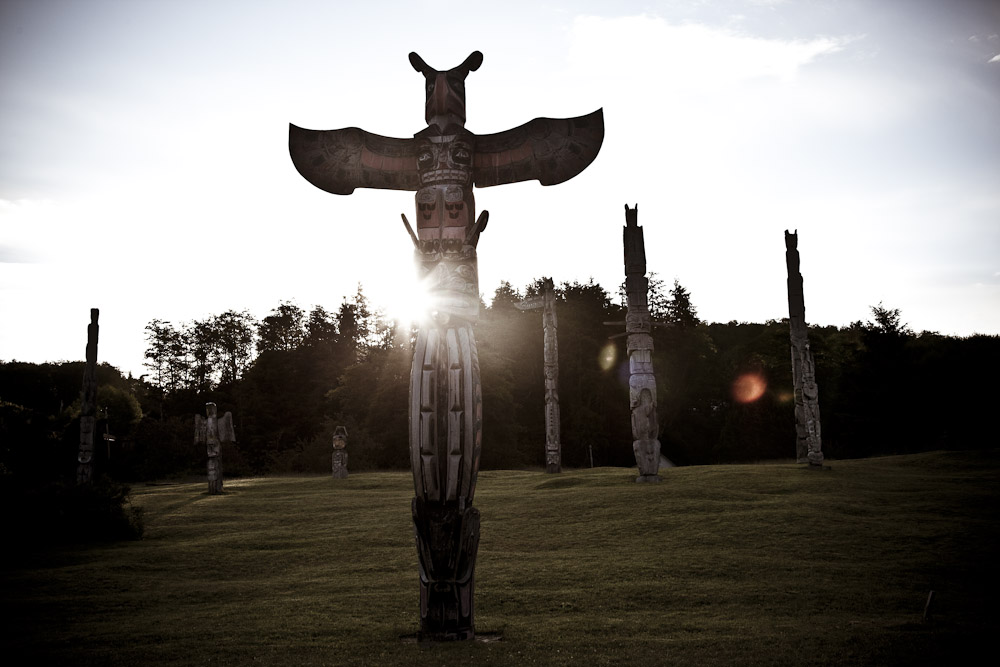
200	430
551	150
226	431
340	160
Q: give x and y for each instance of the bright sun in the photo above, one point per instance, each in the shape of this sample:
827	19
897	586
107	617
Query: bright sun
407	303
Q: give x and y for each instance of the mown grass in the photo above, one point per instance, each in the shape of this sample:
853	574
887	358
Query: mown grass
742	564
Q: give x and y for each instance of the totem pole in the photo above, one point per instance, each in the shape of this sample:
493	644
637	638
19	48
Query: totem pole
808	445
442	163
638	325
340	453
553	453
212	432
88	406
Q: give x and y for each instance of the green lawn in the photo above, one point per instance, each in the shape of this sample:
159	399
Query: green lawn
738	564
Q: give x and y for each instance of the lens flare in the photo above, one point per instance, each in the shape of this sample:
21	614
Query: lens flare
607	356
748	387
408	304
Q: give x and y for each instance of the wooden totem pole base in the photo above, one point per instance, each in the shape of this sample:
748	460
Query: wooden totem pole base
445	432
214	476
647	458
339	469
447	543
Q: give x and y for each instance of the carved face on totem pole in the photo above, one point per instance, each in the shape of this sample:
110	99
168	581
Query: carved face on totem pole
445	206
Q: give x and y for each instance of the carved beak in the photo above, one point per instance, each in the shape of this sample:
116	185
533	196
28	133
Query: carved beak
444	101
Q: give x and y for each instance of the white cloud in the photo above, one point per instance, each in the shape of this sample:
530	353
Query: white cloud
686	56
994	59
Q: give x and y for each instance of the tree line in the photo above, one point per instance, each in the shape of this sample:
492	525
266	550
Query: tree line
291	377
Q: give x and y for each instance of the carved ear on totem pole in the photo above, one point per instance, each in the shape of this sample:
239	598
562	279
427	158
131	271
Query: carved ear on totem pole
419	64
471	64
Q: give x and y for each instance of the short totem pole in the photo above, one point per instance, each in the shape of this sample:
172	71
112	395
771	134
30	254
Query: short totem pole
340	453
547	302
442	163
88	406
213	432
808	445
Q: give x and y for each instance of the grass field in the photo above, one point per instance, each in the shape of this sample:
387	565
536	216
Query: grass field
737	564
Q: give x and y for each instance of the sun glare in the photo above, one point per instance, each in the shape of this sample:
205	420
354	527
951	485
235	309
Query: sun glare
608	356
408	304
748	387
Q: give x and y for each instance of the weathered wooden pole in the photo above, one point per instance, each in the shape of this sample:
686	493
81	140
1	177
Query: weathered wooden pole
550	360
808	444
442	163
638	326
340	453
213	432
88	406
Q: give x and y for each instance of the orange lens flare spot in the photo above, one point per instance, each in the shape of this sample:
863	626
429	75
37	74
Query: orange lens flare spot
748	387
607	357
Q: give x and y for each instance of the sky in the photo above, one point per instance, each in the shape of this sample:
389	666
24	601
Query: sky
144	164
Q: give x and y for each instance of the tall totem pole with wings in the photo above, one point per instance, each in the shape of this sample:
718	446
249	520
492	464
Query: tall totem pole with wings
442	163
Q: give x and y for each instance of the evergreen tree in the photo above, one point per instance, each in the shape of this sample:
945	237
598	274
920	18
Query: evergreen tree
321	327
679	309
505	297
232	341
284	329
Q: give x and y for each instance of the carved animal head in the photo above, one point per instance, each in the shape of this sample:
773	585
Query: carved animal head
446	90
631	216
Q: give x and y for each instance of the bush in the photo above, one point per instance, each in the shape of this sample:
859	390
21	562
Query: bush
62	512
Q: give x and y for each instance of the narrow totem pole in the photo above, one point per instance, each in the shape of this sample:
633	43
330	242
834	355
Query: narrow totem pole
808	445
88	406
213	432
638	325
442	163
553	452
340	453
